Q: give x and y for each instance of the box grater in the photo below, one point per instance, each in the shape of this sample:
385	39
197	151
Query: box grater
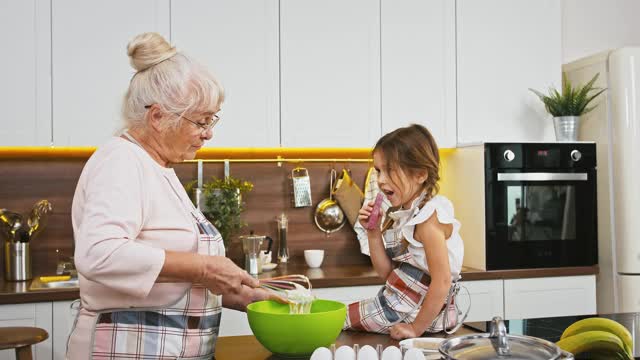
301	187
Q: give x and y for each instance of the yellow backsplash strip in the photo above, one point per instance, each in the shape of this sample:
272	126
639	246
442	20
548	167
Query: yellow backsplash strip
287	153
48	152
44	152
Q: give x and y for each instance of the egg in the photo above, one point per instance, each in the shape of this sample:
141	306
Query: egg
345	352
321	353
414	354
391	353
367	353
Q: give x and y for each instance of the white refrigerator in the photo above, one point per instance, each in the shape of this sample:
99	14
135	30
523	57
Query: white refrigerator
615	127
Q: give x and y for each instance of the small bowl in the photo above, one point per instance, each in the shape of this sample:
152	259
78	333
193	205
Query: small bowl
314	258
293	335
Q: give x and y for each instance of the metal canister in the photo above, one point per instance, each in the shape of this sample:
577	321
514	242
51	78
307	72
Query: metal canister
301	187
17	261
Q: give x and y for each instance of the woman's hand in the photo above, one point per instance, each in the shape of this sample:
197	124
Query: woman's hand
249	295
263	294
223	277
363	216
403	331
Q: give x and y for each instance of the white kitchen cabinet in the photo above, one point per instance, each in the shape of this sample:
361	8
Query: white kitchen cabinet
33	314
64	316
91	69
505	47
237	40
347	294
234	323
25	85
486	298
552	296
330	73
418	66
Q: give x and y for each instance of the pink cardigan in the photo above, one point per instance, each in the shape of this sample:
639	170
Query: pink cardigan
127	209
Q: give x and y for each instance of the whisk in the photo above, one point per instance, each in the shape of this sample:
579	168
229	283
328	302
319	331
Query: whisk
299	297
286	282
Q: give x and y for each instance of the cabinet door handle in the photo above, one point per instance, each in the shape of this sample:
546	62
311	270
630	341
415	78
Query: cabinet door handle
542	176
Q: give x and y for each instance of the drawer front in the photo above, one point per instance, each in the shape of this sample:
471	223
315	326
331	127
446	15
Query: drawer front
348	294
17	312
234	323
552	296
485	299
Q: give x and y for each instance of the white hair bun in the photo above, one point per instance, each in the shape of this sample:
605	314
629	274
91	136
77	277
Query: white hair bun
148	49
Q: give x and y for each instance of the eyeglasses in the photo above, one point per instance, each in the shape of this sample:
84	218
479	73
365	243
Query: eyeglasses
210	122
208	125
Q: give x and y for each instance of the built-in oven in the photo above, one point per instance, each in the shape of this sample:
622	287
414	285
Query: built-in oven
540	201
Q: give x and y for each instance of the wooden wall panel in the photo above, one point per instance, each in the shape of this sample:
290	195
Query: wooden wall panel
23	182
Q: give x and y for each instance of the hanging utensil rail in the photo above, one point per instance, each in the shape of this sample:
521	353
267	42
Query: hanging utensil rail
280	160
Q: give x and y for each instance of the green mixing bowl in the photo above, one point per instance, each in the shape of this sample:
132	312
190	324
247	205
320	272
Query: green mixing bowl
296	334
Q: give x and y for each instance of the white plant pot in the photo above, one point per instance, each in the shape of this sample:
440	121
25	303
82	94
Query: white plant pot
566	127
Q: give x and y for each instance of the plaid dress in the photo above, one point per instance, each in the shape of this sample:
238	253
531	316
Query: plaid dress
400	299
187	329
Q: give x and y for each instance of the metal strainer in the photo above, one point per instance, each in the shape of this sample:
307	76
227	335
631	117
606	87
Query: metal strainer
328	215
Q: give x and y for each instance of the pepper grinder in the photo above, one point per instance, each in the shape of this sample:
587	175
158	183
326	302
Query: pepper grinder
283	251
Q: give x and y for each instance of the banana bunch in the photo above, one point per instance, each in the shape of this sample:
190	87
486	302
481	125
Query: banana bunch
602	338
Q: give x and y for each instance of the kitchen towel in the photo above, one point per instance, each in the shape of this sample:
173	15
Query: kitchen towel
349	196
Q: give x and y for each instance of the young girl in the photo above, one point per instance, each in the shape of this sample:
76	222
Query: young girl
416	248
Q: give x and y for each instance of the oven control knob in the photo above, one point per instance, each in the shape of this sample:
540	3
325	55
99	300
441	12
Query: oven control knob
509	155
576	155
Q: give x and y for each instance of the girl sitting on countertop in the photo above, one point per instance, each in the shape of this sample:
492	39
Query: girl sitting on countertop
416	247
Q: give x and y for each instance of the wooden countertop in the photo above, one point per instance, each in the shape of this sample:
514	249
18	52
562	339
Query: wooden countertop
347	275
17	292
356	275
248	347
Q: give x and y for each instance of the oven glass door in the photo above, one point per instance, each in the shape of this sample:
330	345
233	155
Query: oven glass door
541	220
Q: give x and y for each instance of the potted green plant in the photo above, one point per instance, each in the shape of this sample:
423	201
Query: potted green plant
222	204
567	107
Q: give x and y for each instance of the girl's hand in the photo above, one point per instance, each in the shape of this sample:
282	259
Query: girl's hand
403	331
365	212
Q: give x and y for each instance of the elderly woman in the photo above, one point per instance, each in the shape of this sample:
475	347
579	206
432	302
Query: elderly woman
153	275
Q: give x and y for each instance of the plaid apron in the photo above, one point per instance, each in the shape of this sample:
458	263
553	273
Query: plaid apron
399	300
187	329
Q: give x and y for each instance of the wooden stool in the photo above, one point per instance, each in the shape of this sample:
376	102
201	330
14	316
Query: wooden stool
21	339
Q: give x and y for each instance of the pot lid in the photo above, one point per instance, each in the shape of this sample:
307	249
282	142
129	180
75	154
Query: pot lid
499	345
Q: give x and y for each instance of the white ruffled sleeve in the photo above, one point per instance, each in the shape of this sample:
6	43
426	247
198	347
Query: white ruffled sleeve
444	211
